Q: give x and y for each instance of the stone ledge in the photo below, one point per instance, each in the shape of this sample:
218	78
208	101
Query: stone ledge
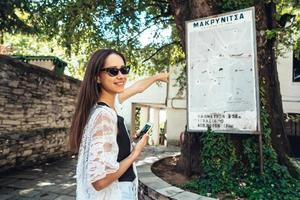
152	187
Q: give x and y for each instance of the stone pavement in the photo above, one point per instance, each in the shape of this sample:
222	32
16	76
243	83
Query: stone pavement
56	180
47	182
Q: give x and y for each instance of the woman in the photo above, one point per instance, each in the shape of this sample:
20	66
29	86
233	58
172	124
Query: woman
105	161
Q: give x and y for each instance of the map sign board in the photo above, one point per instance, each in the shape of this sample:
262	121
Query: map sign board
222	73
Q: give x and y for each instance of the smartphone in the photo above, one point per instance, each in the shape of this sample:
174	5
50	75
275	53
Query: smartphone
148	126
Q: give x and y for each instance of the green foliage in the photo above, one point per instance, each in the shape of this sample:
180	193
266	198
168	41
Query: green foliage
218	160
27	45
83	26
288	30
111	24
292	116
137	121
288	37
271	34
230	5
15	16
224	173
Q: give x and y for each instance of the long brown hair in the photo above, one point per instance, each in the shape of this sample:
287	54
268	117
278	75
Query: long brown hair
88	95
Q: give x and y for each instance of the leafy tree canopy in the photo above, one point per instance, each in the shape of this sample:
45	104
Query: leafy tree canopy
116	24
15	17
83	26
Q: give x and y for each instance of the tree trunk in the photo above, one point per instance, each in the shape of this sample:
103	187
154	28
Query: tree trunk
188	10
190	159
268	77
192	9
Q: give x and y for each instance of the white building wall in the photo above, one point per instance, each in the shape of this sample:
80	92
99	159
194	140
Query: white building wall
144	117
154	118
153	95
176	110
290	91
176	121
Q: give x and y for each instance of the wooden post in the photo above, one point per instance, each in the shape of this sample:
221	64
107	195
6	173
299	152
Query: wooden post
261	160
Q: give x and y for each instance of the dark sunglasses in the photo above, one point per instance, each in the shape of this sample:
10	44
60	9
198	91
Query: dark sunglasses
114	71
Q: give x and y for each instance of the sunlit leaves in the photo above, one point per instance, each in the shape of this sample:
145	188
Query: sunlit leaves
111	24
14	17
41	46
230	5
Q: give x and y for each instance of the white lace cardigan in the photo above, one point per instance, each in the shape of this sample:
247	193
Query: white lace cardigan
98	155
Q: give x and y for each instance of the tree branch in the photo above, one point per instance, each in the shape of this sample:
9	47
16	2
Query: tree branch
159	49
143	30
163	2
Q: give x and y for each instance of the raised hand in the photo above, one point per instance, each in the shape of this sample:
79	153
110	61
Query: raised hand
162	77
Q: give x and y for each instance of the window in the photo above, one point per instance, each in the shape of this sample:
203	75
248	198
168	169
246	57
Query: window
296	69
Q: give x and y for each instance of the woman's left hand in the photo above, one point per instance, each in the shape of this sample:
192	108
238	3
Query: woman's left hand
139	146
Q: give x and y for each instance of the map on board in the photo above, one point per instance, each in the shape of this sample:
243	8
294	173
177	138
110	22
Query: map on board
222	73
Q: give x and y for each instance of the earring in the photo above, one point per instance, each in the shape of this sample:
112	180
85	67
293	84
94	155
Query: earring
98	80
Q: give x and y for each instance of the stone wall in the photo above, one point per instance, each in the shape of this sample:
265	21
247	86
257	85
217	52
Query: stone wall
36	108
20	149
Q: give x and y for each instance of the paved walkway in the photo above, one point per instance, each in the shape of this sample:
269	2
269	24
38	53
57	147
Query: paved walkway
56	181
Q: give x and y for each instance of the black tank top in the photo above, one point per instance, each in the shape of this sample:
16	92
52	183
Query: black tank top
124	147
